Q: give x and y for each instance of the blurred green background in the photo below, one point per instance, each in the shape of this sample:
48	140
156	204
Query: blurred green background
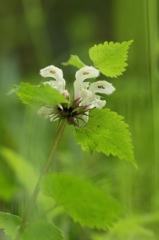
35	34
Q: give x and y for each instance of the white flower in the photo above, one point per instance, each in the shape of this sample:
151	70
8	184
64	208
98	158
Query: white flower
86	92
86	72
102	87
48	112
81	75
59	84
57	74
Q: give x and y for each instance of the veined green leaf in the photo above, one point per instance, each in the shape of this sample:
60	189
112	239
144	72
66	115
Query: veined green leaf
40	230
74	61
106	132
40	95
10	223
110	58
85	203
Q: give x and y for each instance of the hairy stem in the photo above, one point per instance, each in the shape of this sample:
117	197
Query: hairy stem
43	172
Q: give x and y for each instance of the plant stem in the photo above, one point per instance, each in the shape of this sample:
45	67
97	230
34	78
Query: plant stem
43	172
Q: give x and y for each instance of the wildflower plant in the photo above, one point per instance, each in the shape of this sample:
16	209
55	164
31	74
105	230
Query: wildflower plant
96	128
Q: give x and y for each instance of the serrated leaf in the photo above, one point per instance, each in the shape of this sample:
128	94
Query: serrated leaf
110	58
85	203
106	132
10	223
74	61
41	230
40	95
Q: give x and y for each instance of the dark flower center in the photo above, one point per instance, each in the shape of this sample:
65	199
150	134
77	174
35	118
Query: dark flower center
72	113
66	112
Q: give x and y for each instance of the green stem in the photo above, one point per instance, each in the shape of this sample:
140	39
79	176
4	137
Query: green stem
43	172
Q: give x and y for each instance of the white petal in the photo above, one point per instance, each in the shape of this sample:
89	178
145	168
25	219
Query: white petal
78	86
59	85
85	117
86	93
51	71
87	98
99	103
56	73
53	84
45	110
53	118
66	94
86	72
102	87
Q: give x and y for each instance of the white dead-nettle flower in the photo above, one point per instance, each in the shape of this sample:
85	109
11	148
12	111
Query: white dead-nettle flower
85	94
86	91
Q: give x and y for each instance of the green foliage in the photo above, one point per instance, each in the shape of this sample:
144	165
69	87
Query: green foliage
22	52
40	230
137	227
85	203
23	170
39	95
10	224
74	61
110	57
131	227
106	132
25	175
7	184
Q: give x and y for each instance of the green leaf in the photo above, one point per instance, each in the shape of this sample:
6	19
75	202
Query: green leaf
23	170
41	230
136	226
10	224
40	95
7	186
106	132
74	61
25	175
110	58
86	204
